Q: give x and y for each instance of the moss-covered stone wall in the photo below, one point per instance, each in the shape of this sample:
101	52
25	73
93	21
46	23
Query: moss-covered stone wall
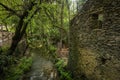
95	41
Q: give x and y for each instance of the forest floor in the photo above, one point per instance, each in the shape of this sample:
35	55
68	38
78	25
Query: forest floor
42	69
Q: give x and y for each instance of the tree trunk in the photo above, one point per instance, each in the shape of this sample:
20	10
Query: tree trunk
21	28
61	32
16	38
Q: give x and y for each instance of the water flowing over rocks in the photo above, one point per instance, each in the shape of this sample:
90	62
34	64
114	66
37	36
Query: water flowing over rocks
42	69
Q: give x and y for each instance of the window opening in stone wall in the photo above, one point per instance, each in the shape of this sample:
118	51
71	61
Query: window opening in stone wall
95	16
100	20
97	20
100	17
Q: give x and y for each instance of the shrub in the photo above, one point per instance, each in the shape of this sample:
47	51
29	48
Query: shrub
64	75
15	71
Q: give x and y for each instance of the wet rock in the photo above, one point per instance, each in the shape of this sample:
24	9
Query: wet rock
42	69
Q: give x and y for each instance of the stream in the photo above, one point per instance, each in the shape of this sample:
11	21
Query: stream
42	69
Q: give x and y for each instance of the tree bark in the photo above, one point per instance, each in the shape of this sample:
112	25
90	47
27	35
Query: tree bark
16	38
21	29
62	18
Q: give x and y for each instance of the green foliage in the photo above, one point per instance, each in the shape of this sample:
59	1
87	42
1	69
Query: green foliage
16	71
3	48
64	75
5	62
43	31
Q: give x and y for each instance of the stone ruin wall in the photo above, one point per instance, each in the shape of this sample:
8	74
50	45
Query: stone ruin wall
95	38
5	38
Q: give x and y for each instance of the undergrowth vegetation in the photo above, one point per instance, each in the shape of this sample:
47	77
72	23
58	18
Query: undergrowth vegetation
16	71
62	72
13	68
